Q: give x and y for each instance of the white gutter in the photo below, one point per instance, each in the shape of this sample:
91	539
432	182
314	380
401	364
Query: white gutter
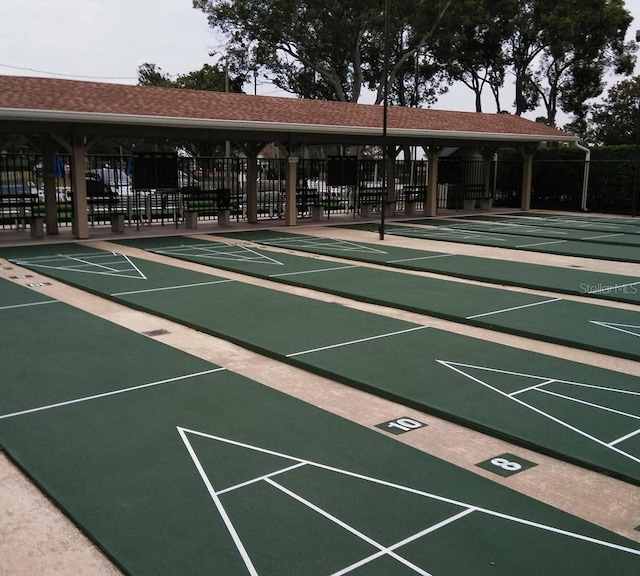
262	126
585	177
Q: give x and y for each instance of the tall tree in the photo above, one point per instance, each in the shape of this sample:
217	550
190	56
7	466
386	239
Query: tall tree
617	119
561	49
214	78
331	49
475	54
584	39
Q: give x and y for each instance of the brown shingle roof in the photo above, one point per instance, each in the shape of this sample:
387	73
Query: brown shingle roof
69	98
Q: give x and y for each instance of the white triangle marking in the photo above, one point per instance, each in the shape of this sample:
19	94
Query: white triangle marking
242	253
457	367
79	262
625	328
383	550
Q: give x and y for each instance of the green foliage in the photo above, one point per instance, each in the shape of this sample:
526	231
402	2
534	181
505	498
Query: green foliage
211	78
617	119
332	49
558	178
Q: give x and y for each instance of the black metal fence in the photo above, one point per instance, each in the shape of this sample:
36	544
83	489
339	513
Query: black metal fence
461	184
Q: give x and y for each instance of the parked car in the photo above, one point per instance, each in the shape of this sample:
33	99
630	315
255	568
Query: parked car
118	182
20	193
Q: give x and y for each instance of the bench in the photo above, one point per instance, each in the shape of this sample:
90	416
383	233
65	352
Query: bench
308	199
476	195
368	199
200	202
413	194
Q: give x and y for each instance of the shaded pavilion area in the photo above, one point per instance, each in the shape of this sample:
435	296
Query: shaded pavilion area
54	113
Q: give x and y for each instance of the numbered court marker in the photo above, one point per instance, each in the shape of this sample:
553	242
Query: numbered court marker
400	425
20	276
506	465
38	284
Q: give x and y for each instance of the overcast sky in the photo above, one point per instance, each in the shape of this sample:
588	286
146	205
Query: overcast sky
106	40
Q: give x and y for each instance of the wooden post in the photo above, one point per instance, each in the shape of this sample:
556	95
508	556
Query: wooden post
80	216
527	176
431	201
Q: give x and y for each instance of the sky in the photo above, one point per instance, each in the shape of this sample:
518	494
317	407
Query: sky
107	40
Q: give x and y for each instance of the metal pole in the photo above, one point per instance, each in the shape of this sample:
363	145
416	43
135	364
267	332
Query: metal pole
385	107
636	172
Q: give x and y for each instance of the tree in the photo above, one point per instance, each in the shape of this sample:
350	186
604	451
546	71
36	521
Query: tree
617	119
331	49
475	55
584	39
211	78
561	49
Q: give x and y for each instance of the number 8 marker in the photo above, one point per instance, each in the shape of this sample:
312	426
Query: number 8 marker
506	464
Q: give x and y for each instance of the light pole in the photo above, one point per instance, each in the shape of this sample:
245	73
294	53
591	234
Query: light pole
636	175
385	107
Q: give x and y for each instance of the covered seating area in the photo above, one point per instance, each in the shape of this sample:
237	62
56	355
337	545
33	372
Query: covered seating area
56	113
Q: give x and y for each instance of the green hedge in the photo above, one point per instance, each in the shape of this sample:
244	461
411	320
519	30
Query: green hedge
558	178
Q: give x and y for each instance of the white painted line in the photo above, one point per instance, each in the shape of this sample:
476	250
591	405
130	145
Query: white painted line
383	550
467	507
593	405
29	304
451	365
540	243
261	478
619	327
420	258
351	266
106	394
626	437
216	500
133	265
513	308
404	542
172	287
238	253
358	341
529	388
602	236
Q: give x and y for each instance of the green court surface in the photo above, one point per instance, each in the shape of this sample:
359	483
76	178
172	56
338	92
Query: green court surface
564	280
531	228
573	223
592	327
205	472
581	249
581	218
574	411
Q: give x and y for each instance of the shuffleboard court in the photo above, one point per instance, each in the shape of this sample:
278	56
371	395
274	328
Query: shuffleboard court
592	327
532	229
216	474
510	241
527	398
610	227
615	220
564	280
